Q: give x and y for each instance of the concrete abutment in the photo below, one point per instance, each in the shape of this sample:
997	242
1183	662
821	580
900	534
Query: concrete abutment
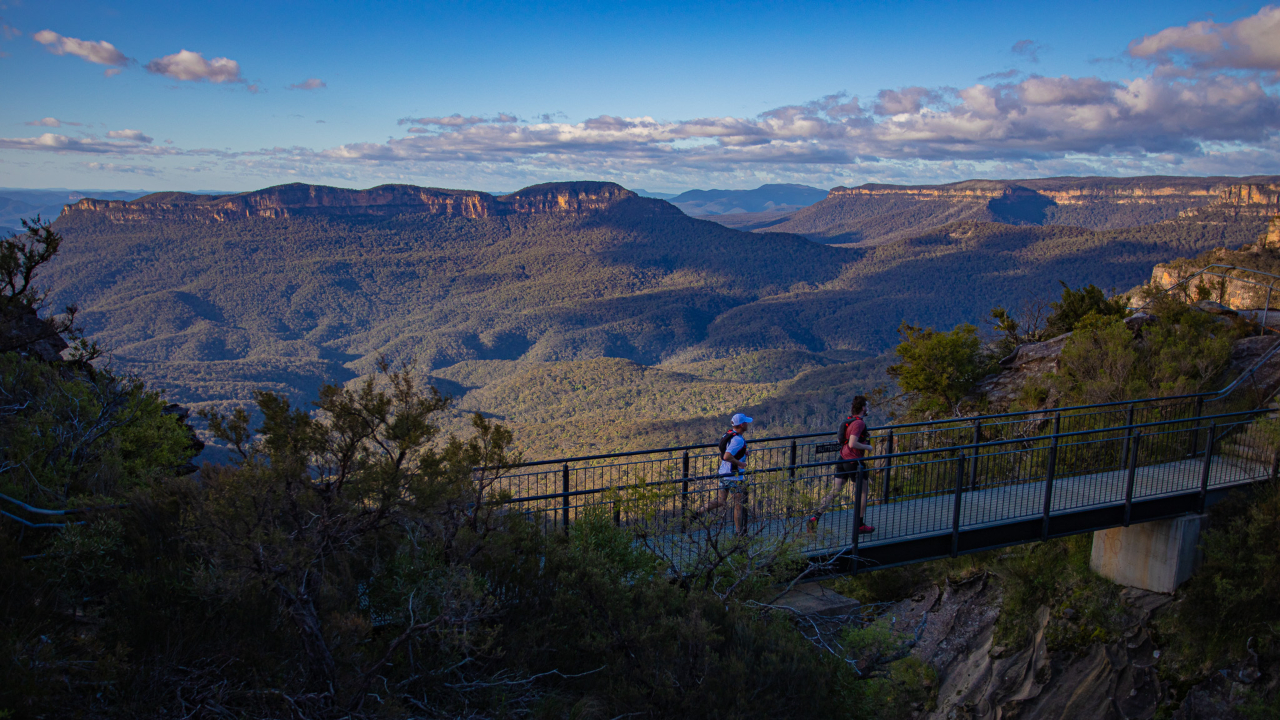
1158	556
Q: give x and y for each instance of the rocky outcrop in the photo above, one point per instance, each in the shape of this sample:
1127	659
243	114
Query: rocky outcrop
299	199
1254	198
1031	364
1242	291
23	331
1028	365
1117	679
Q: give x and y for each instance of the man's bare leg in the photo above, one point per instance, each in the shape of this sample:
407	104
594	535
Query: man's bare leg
739	517
715	504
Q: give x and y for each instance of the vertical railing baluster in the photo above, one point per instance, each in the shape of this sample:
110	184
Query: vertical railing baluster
564	504
1266	310
1133	470
1051	467
1194	440
1128	436
1204	472
955	511
888	469
973	464
684	490
791	485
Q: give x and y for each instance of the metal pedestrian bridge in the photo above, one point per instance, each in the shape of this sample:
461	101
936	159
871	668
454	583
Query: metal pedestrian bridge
936	489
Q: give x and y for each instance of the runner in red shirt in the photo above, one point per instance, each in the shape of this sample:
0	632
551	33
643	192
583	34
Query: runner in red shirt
854	446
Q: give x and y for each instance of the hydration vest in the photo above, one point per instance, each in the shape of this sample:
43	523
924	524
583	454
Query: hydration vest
843	433
724	445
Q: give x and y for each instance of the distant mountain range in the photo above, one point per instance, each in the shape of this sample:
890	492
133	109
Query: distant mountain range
766	198
528	305
18	204
876	214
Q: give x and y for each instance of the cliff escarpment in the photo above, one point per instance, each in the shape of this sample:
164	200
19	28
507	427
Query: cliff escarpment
299	199
875	214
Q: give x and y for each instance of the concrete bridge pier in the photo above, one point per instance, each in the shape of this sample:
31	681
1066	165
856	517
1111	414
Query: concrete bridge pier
1158	556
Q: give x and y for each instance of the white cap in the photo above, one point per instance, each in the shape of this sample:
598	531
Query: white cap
739	419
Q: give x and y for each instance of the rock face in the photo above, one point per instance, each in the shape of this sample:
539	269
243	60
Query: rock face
1028	364
26	333
573	198
1245	292
1113	680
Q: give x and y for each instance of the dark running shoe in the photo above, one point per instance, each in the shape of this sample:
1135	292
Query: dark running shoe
812	524
864	529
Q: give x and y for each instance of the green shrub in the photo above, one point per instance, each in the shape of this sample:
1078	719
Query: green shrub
939	368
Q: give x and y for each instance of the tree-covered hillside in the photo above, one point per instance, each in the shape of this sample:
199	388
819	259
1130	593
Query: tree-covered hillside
214	310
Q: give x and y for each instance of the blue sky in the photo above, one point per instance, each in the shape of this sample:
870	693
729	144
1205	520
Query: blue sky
662	96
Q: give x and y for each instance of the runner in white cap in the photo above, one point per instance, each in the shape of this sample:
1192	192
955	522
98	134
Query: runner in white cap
733	459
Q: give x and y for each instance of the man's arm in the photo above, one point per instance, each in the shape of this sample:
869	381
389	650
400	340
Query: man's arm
853	442
728	454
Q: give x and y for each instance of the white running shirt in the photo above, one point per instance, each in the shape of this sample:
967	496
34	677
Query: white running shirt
737	443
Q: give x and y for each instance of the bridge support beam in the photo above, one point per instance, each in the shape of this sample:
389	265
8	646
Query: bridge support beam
1158	556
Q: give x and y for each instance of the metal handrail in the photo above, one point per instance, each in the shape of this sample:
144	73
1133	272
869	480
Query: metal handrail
874	428
886	456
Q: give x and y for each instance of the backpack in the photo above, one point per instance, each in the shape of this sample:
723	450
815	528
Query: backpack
843	432
724	444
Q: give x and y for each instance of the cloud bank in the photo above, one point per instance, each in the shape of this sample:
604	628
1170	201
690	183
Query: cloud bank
1251	43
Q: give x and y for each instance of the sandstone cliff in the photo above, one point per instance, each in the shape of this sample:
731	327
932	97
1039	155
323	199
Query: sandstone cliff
1247	283
1121	678
296	199
873	214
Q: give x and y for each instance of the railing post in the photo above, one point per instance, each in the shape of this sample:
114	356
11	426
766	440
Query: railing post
1133	469
1265	312
955	510
564	500
1204	472
684	491
791	474
1275	465
1194	440
857	485
617	511
1128	437
973	464
888	469
1051	467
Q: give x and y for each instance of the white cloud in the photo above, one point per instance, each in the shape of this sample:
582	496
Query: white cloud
454	120
118	168
192	67
100	52
309	84
51	122
134	135
120	142
1251	43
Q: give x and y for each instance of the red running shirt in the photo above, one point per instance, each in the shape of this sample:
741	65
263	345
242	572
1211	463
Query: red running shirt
856	429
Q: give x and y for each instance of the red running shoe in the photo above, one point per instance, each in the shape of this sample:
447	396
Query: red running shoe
812	524
864	529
